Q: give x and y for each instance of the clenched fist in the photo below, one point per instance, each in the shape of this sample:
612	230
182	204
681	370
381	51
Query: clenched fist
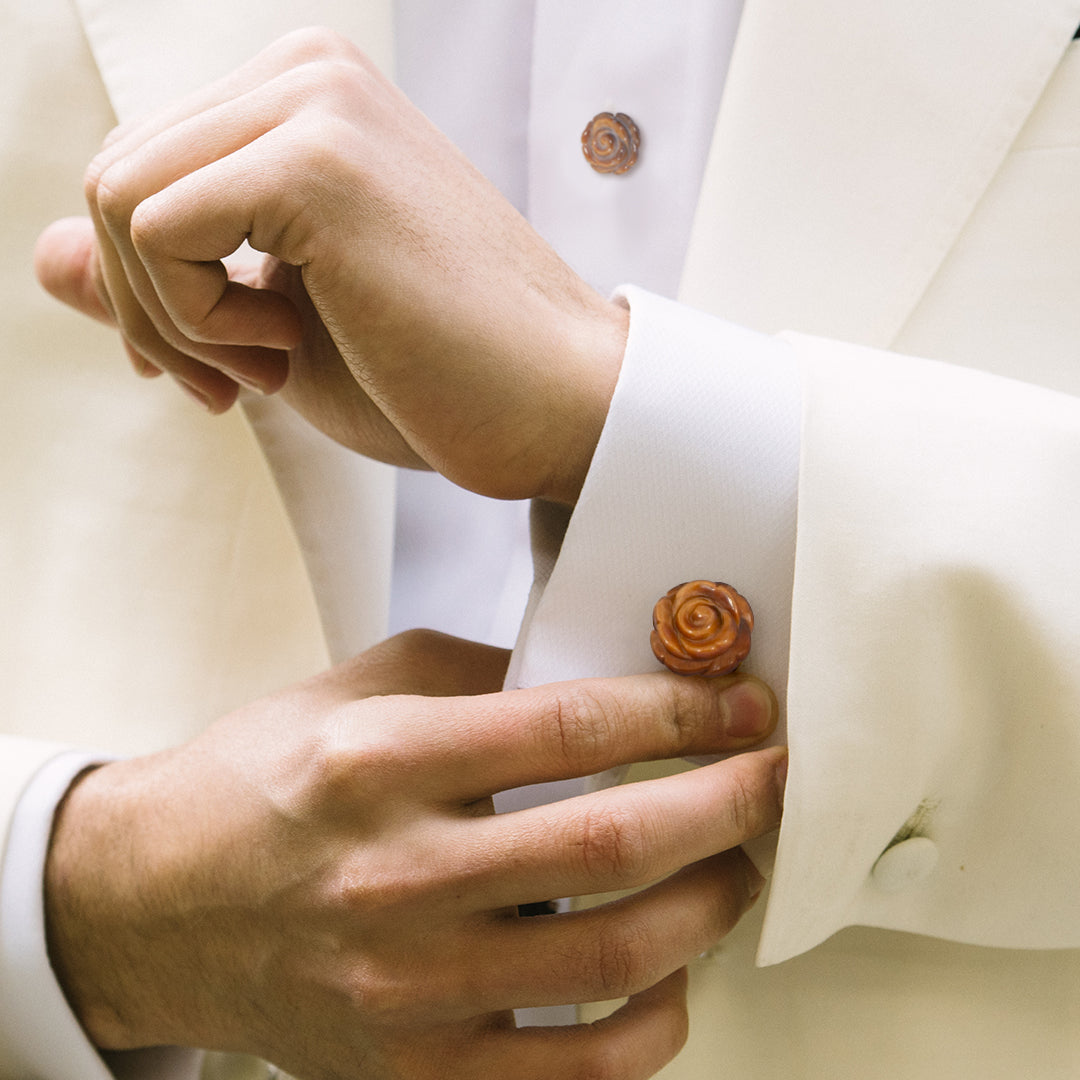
401	302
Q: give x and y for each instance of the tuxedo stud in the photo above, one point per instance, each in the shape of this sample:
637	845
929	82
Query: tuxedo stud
610	143
701	628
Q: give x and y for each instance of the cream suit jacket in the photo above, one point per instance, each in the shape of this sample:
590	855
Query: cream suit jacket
894	179
143	544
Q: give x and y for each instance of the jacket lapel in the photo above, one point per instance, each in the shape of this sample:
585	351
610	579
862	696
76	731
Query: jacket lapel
853	141
340	505
150	51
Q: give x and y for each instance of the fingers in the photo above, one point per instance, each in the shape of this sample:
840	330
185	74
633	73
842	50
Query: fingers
66	265
627	836
192	184
193	322
308	45
577	728
200	323
632	1044
139	315
171	244
618	948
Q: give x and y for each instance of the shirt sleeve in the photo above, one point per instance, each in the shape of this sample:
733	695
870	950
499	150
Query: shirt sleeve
39	1034
695	476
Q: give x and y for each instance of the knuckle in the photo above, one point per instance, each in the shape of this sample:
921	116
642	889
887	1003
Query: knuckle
109	194
385	899
611	845
688	709
380	997
744	805
330	83
416	644
345	77
391	991
314	43
120	131
349	896
323	140
145	226
624	957
581	725
345	766
330	774
92	177
603	1063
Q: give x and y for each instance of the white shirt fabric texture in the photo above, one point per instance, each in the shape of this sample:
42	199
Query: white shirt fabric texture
507	84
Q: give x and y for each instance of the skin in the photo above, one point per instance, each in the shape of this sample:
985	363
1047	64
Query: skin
341	901
396	299
318	878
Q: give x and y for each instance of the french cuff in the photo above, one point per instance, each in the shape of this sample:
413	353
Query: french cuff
695	475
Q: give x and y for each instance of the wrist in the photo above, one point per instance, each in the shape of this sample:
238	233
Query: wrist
87	898
597	349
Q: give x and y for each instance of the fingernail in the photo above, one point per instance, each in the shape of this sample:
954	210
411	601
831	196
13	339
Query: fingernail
750	707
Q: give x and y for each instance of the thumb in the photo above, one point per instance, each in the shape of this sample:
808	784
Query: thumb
66	265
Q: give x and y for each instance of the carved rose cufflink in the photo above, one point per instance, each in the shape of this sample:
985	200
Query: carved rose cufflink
610	143
702	628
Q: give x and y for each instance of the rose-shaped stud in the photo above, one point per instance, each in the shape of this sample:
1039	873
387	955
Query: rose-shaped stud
610	143
702	628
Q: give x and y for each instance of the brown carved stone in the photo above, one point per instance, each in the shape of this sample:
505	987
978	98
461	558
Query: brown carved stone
610	143
702	628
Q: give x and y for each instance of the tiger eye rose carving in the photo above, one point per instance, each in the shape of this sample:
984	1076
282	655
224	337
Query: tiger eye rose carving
610	143
702	628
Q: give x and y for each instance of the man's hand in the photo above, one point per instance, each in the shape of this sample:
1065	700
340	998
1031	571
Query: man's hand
318	879
406	307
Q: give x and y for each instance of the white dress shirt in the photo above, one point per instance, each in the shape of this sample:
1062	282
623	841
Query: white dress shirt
514	86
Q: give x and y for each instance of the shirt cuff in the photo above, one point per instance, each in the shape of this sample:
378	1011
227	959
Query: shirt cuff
39	1034
695	475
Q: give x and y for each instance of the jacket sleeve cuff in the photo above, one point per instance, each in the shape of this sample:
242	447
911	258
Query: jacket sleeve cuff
934	688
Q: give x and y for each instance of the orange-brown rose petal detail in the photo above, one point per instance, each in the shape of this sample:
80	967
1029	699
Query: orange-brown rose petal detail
610	143
702	628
